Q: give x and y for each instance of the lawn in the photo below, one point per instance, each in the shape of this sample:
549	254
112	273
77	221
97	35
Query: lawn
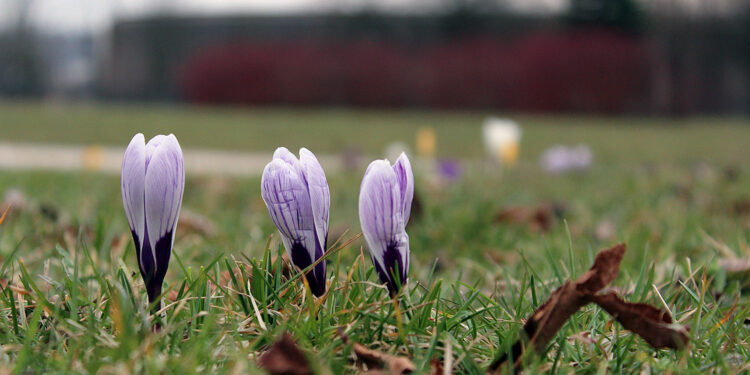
677	193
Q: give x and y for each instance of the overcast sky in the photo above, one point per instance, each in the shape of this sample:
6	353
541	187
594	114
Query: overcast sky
97	15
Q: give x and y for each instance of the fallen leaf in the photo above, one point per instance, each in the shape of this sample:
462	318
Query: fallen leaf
173	294
285	358
604	271
378	362
652	324
436	367
741	207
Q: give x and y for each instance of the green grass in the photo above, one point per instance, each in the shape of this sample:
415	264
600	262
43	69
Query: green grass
370	131
472	280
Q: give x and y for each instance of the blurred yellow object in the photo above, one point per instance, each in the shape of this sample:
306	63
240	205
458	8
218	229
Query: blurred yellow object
509	154
502	138
93	158
426	142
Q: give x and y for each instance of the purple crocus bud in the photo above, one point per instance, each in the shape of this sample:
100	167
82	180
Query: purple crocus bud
296	194
384	206
153	180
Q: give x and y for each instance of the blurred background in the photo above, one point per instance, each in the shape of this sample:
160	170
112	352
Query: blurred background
656	57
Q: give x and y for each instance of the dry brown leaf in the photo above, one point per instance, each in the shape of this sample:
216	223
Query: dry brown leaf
741	207
436	367
285	358
378	362
652	324
172	295
604	271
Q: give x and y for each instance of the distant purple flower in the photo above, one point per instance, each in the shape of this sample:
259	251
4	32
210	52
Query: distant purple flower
152	181
560	159
450	169
296	194
384	206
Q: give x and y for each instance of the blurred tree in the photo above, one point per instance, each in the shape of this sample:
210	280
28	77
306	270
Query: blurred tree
463	17
623	15
20	71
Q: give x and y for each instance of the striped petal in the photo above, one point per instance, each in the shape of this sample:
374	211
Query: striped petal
288	200
132	185
381	216
164	186
285	155
320	196
405	177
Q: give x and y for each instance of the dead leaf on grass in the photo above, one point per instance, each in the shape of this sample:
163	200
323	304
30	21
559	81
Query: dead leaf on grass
377	362
654	325
285	358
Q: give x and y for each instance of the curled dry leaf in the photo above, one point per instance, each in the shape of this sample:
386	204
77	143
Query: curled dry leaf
604	271
650	323
378	362
285	358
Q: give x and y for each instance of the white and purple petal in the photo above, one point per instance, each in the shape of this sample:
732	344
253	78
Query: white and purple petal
320	196
298	201
402	168
164	186
153	180
382	217
132	186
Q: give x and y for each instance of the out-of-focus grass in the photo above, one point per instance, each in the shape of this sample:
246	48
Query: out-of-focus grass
334	130
472	280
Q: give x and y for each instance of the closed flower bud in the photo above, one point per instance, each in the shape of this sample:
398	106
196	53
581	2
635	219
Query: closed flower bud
384	206
296	194
152	181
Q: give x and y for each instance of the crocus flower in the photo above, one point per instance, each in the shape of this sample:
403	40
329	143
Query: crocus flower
384	206
502	138
153	180
560	159
296	194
